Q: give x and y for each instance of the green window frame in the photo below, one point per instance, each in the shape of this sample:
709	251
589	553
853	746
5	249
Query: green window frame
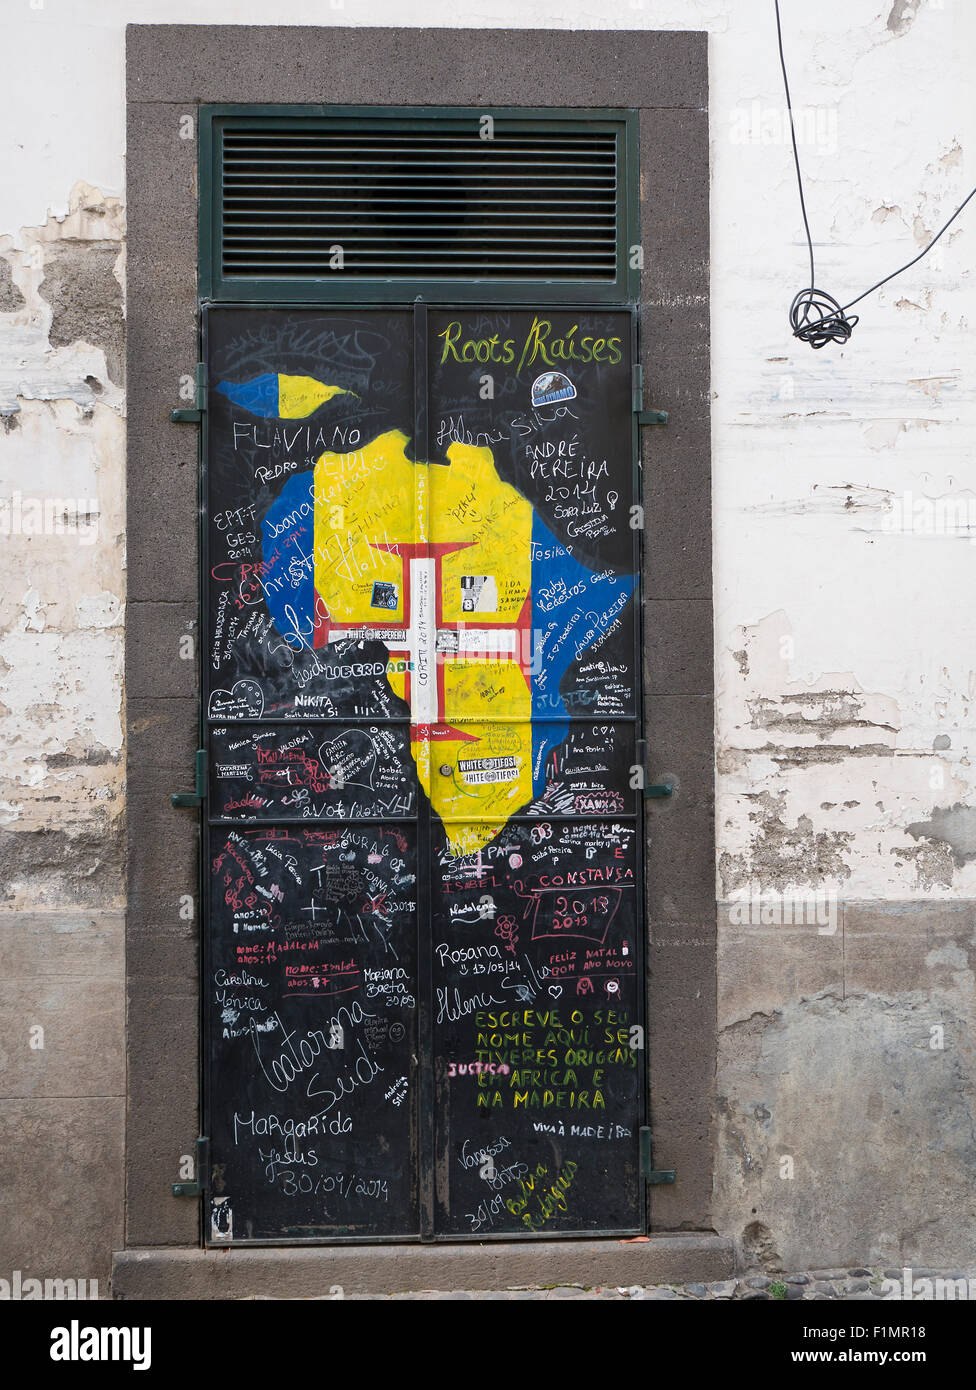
217	287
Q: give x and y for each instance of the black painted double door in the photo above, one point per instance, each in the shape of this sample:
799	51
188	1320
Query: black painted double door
423	956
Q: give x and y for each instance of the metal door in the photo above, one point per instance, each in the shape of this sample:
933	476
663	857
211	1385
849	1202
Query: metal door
423	949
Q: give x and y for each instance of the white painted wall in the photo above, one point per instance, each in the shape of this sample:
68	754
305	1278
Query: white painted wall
810	449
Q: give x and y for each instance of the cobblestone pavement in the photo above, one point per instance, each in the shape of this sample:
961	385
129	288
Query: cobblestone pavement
854	1285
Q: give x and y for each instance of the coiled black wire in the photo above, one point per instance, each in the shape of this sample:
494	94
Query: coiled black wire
818	319
815	316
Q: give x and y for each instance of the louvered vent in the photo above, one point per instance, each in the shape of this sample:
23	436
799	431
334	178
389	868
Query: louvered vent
426	202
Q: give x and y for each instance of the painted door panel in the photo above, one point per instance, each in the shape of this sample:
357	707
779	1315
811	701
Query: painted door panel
534	832
423	947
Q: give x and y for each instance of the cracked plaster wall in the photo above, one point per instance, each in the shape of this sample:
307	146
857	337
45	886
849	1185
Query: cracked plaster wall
844	636
62	595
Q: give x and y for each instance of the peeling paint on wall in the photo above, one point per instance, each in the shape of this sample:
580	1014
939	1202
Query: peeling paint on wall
953	827
63	338
902	15
821	781
11	298
62	586
86	299
778	855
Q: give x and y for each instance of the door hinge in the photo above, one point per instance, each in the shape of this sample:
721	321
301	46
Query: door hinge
645	417
648	1172
194	416
198	1187
194	798
654	790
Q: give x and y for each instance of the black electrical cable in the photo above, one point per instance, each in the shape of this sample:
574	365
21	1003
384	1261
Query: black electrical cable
815	316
